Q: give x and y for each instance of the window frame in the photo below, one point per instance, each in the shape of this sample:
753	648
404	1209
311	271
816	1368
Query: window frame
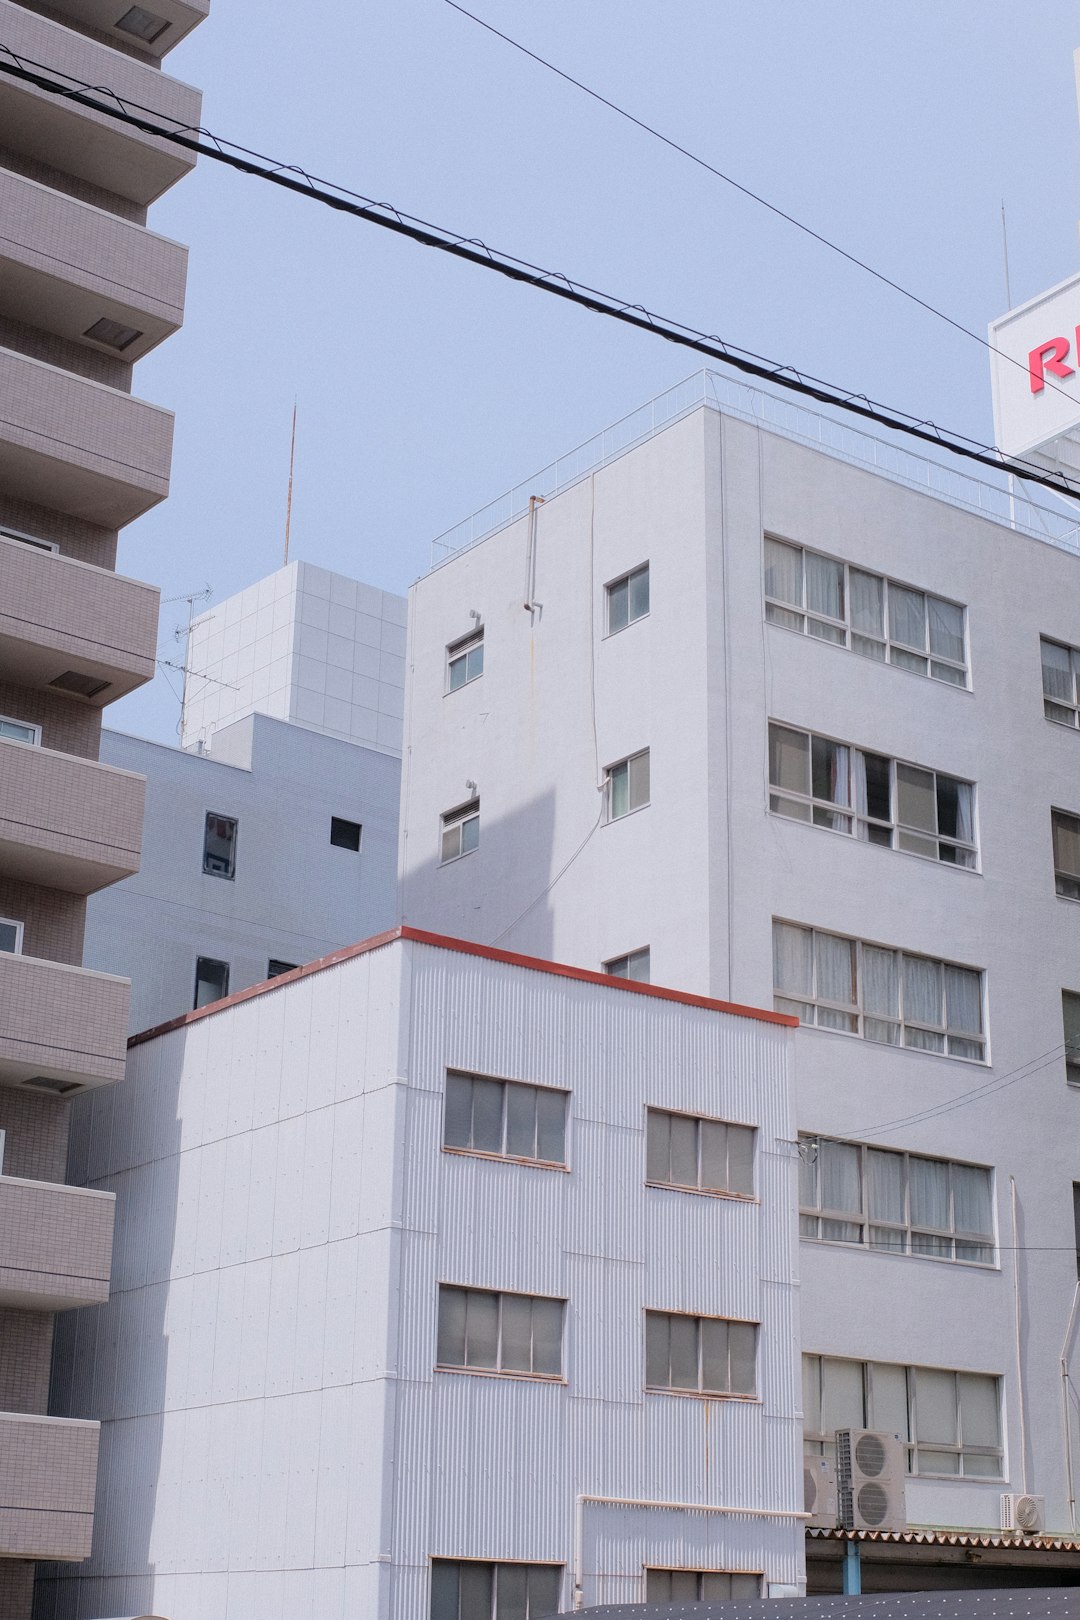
908	1228
457	820
19	927
1072	1064
1066	882
23	725
613	585
199	979
856	1013
276	968
825	813
503	1157
209	871
700	1393
338	843
740	1196
1054	701
816	1442
846	634
499	1371
495	1565
460	652
609	785
629	958
676	1569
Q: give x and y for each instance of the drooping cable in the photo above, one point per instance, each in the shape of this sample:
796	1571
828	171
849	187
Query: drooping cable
292	177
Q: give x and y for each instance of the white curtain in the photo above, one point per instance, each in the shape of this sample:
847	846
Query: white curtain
793	973
824	586
946	629
965	812
1057	675
867	600
885	1186
963	1000
783	572
972	1207
835	963
922	1001
907	616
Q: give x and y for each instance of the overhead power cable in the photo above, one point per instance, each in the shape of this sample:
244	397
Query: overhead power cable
292	177
754	196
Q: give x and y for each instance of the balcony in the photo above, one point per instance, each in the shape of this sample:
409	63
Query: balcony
63	1028
78	141
55	1245
79	447
65	265
58	616
65	822
48	1470
175	19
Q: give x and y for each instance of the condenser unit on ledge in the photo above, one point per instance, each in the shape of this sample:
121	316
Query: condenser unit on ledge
1023	1514
870	1474
819	1493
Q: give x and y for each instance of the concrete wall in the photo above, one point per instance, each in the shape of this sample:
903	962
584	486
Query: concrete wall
699	874
276	1436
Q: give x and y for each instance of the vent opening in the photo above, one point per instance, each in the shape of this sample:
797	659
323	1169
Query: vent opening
113	333
143	25
86	686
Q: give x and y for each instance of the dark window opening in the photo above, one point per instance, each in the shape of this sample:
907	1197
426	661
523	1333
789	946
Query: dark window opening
219	845
345	834
211	981
274	968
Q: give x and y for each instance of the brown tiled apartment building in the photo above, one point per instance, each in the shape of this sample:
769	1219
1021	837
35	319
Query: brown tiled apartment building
85	291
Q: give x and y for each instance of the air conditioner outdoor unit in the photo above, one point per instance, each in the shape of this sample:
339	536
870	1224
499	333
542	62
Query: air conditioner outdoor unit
1025	1515
870	1471
819	1492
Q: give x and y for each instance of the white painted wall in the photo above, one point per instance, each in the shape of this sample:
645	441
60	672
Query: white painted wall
275	1439
294	896
699	875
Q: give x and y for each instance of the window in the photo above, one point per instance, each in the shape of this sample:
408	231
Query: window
1060	669
872	615
506	1333
698	1155
219	846
883	995
1070	1015
698	1585
634	965
628	785
3	1137
702	1355
211	981
11	934
274	968
504	1117
880	800
475	1591
1076	1213
345	834
627	599
28	540
1066	833
901	1203
464	660
19	731
950	1420
460	831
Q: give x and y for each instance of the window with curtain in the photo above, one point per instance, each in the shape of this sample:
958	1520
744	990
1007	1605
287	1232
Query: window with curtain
700	1355
628	785
880	800
869	613
1066	835
506	1118
481	1331
895	1202
467	1589
950	1420
1060	670
698	1155
883	995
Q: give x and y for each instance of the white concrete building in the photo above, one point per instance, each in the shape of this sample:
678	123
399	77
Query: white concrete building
759	706
276	848
305	645
416	1311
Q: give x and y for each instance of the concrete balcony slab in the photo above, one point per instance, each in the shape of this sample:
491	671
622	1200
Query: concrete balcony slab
55	1245
48	1473
65	822
62	1029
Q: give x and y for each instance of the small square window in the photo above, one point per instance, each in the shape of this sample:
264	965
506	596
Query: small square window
219	846
627	599
634	965
19	731
628	785
464	660
274	968
11	934
345	834
211	981
460	831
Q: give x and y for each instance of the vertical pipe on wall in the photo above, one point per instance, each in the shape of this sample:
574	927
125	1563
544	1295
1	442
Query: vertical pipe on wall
1020	1402
852	1570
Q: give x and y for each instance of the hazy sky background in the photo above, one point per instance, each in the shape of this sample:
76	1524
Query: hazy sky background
426	387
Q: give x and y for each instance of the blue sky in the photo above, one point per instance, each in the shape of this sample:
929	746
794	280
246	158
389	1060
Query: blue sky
426	387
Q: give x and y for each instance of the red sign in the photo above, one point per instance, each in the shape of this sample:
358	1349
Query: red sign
1050	356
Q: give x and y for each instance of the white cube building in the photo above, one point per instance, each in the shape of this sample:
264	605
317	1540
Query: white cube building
447	1282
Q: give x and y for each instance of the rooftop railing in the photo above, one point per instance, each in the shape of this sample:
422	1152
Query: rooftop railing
1056	525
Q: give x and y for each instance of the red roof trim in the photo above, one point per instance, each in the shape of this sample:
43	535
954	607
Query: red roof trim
465	947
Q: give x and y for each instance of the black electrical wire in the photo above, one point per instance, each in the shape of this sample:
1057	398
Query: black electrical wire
754	196
292	177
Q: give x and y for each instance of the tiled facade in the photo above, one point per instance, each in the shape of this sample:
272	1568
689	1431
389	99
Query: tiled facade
85	290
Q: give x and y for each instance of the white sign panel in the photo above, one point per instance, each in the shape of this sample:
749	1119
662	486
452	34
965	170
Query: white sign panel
1036	374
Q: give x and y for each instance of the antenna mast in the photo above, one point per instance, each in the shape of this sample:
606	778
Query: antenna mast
292	464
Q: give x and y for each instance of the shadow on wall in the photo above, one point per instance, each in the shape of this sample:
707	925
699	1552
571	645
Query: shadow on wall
110	1361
